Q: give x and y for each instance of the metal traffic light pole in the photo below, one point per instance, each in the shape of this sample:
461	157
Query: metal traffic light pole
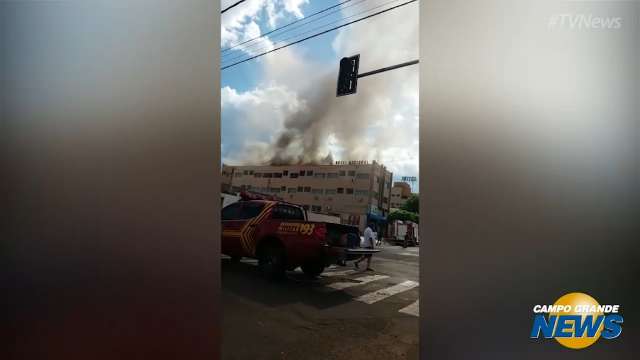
348	75
388	68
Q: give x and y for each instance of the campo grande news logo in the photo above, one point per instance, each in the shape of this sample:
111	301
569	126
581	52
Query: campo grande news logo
576	321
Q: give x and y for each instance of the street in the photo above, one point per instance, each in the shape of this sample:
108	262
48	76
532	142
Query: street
344	314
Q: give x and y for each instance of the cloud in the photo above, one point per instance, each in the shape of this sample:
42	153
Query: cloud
251	118
293	6
240	23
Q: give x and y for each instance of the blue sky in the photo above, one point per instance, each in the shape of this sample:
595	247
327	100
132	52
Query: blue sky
265	97
248	75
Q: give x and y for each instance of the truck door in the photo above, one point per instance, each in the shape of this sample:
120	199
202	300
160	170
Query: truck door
231	227
238	229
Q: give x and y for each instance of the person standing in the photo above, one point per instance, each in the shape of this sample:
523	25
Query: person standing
367	243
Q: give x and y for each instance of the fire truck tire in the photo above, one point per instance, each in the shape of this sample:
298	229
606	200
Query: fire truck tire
313	269
272	261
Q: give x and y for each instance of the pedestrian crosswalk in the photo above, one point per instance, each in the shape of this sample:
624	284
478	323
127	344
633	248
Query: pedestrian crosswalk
384	287
365	287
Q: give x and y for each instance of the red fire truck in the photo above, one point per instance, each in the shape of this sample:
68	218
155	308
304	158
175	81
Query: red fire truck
280	236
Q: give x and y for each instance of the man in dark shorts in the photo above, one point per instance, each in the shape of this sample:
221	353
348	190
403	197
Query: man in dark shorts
367	243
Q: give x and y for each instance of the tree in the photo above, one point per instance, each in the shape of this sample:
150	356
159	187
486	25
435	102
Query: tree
412	204
403	215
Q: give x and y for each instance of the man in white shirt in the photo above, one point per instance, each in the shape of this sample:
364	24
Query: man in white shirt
367	242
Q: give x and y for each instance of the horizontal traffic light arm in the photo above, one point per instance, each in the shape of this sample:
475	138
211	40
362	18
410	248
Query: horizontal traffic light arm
388	68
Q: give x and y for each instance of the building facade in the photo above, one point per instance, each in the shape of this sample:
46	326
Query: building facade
357	191
400	192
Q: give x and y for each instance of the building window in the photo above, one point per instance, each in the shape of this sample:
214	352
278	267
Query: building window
299	188
319	175
293	175
268	175
275	190
332	175
285	173
330	191
277	175
283	188
362	176
362	192
340	190
307	189
316	191
352	173
309	172
258	175
302	173
250	172
349	191
246	172
291	190
316	208
343	173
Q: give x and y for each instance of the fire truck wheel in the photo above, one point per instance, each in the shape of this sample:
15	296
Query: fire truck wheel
272	261
313	269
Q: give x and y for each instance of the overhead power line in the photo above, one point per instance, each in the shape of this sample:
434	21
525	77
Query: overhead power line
263	48
318	34
284	26
234	5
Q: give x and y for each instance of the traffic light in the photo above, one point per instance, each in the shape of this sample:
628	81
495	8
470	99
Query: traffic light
348	75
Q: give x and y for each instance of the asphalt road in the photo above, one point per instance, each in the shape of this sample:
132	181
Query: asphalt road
345	314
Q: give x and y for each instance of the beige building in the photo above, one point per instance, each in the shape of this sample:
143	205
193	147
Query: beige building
356	190
400	192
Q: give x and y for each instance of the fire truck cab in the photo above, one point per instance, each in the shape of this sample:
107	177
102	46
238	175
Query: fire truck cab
280	236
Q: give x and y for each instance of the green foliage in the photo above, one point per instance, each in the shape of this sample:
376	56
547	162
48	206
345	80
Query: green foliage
403	215
412	204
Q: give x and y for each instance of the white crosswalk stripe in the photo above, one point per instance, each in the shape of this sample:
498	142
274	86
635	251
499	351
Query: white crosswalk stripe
413	309
382	294
408	254
360	281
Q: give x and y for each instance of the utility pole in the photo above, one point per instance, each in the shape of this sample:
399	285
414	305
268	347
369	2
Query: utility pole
348	75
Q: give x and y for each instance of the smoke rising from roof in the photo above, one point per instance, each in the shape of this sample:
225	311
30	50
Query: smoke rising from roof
304	137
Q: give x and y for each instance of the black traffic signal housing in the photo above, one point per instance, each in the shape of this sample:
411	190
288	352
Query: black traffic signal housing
348	75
